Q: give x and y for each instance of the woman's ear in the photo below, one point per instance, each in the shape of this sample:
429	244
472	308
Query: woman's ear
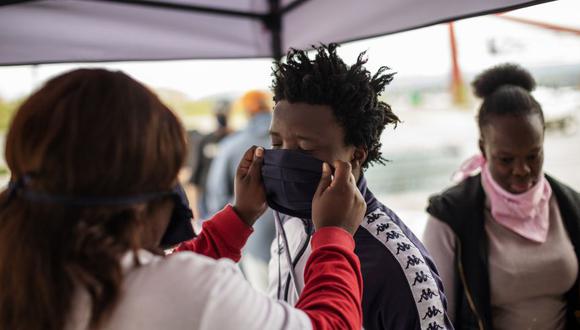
482	147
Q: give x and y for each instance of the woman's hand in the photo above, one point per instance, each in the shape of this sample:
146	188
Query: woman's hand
337	201
250	196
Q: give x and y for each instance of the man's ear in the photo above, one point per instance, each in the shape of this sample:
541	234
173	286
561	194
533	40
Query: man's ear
359	156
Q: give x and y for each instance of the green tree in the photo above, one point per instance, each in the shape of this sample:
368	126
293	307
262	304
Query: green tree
7	110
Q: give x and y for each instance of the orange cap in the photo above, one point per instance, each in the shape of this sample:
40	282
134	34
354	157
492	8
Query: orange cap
256	101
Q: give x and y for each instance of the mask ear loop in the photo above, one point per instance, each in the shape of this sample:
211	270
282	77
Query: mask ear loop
18	187
278	248
282	232
14	186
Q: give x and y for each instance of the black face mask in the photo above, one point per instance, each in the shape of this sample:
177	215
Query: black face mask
290	179
178	230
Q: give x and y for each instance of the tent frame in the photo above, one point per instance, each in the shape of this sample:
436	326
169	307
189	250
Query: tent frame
272	20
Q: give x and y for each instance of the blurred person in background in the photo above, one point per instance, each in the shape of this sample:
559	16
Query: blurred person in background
507	240
220	182
207	149
193	138
86	214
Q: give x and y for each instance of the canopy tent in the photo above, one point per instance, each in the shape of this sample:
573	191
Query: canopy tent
55	31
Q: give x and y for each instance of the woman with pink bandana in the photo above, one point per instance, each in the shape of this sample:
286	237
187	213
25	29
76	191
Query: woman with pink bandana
507	241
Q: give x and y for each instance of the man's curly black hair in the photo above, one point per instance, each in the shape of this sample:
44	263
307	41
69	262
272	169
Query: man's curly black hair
351	91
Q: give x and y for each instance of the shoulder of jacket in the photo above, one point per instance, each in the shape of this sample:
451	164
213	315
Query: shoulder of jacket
456	201
459	191
416	276
557	184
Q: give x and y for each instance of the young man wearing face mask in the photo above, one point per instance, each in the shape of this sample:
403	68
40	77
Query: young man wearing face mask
325	111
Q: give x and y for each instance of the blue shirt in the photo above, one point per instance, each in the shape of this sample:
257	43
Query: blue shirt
222	172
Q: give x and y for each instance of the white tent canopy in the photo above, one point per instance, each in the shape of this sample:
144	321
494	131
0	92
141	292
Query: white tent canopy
52	31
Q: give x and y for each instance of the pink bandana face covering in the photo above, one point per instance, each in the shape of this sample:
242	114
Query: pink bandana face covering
525	214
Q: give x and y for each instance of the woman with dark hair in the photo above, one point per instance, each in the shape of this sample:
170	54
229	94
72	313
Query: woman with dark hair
94	158
507	240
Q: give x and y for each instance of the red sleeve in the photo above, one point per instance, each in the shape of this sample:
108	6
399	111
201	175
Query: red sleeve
332	294
222	236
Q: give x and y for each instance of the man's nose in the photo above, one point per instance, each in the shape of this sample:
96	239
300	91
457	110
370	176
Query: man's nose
290	145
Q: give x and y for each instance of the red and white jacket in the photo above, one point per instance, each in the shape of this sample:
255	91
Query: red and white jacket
331	298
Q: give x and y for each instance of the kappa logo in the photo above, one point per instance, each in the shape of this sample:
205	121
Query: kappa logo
392	235
434	326
402	247
431	312
373	217
427	294
413	261
420	277
381	227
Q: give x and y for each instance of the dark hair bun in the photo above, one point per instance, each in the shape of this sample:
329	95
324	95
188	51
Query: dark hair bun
505	74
